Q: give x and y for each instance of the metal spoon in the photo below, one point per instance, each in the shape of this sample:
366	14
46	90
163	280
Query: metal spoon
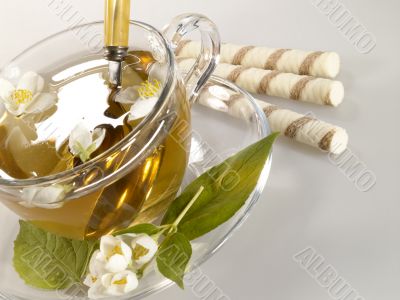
116	37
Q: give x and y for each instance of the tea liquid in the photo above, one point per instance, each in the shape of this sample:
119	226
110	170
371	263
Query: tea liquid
28	151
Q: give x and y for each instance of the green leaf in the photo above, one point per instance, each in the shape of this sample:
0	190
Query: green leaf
173	257
226	188
47	261
149	229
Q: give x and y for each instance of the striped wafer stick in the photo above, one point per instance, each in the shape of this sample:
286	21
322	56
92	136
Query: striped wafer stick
301	128
274	83
314	63
306	129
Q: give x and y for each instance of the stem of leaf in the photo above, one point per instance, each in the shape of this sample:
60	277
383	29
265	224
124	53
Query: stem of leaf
189	206
157	236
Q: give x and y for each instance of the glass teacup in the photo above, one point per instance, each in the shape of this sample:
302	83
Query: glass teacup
139	173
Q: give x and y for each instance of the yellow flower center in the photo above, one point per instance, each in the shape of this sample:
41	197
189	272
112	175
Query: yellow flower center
139	251
22	96
120	282
117	250
149	89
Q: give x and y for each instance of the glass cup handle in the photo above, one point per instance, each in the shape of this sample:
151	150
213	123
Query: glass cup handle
210	48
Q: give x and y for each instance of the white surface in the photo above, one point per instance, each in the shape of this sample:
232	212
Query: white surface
309	202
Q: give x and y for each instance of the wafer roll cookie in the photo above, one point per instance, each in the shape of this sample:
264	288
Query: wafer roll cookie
313	63
300	128
274	83
306	129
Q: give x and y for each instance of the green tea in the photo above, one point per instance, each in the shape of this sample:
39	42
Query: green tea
42	150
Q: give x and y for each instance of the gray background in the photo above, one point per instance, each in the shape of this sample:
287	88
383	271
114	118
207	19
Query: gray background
309	201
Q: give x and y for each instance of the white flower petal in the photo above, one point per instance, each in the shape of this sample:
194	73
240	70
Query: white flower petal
106	280
31	81
50	194
121	283
93	262
158	71
142	108
128	96
116	263
15	109
108	244
44	197
148	243
97	264
29	99
133	282
114	279
41	103
97	291
28	194
90	280
20	135
6	89
98	136
126	251
83	143
80	135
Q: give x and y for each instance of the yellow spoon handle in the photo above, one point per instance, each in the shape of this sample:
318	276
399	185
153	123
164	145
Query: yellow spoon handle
117	13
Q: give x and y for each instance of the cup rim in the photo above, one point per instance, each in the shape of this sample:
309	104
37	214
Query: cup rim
126	141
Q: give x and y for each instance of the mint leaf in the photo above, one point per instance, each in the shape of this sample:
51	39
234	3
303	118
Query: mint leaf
47	261
226	189
149	229
173	257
